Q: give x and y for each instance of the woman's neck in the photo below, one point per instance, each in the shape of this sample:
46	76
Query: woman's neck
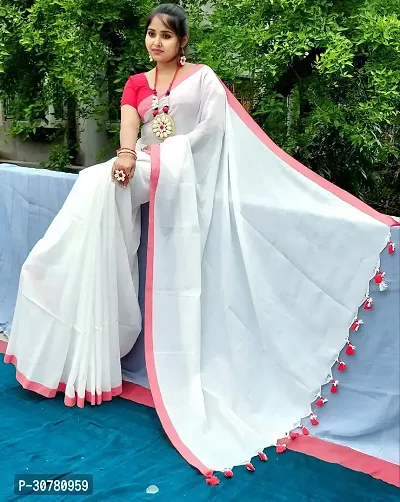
167	67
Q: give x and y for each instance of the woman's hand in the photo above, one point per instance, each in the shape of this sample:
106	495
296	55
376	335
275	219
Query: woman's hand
125	163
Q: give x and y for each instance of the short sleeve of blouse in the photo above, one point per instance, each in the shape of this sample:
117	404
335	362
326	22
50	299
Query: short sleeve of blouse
130	93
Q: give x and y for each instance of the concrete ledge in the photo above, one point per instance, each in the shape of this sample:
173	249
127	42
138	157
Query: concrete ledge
35	165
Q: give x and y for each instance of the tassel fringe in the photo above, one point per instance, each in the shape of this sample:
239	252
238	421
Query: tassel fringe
380	281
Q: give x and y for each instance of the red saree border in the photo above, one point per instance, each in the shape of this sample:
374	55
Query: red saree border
137	394
148	326
347	457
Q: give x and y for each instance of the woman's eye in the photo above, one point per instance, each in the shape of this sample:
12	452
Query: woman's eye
167	36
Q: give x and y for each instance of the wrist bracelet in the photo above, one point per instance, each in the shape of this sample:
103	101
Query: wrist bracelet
129	151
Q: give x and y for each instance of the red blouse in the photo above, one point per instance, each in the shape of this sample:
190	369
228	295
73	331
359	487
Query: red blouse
136	89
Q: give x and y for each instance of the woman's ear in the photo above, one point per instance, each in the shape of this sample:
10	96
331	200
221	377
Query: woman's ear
184	41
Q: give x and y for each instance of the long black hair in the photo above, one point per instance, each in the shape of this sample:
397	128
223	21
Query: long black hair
174	17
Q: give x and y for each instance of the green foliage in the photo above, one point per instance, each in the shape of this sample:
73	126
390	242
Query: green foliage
59	159
320	76
326	76
60	51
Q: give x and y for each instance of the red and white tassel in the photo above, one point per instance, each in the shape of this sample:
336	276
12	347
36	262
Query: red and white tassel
379	279
341	365
263	456
228	473
250	467
350	349
320	402
334	386
293	435
281	448
304	430
356	324
368	303
391	247
212	480
314	419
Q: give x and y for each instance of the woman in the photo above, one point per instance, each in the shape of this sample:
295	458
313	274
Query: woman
166	39
256	268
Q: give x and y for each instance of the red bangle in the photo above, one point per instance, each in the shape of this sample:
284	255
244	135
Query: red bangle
123	152
125	148
128	151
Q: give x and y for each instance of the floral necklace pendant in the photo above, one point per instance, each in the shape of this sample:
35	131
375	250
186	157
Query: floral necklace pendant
162	124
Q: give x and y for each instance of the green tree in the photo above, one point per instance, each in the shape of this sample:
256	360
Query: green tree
325	76
320	76
63	52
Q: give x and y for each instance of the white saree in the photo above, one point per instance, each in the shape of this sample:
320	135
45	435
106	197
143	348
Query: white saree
256	268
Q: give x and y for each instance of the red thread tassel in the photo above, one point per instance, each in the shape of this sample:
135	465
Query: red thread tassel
350	349
334	386
356	325
391	247
320	402
263	456
380	280
314	419
228	473
304	430
250	467
341	365
212	480
294	435
280	448
368	303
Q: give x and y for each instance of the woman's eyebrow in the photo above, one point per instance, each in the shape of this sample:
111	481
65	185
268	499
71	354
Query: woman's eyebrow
162	31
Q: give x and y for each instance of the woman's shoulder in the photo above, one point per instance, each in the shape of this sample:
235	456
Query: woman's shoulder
208	72
209	76
205	68
137	79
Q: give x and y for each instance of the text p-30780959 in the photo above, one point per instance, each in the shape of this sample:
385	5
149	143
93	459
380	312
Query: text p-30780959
53	484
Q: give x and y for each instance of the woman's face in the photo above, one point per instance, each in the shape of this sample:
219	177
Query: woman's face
161	42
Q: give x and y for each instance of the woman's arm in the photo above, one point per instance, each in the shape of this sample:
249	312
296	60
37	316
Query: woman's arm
129	129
